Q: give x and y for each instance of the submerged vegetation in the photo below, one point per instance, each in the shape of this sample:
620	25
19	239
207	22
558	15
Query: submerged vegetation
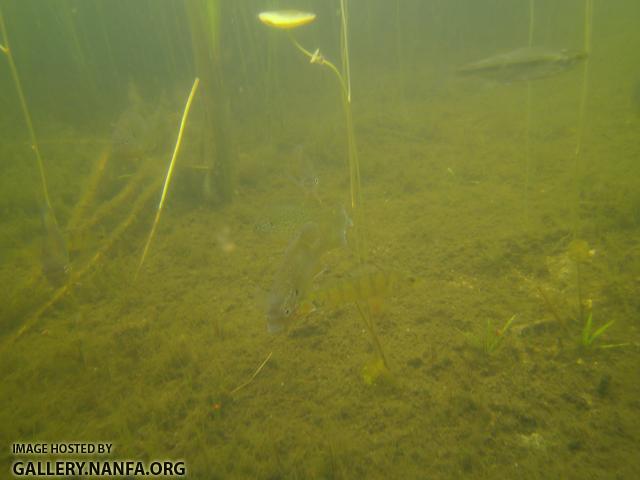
282	216
589	336
492	339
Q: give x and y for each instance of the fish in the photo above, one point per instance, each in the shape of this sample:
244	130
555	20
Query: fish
301	263
523	64
55	255
371	288
131	136
303	174
283	218
138	127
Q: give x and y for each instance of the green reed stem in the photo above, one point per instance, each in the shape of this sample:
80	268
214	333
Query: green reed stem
588	21
527	148
354	164
6	49
344	41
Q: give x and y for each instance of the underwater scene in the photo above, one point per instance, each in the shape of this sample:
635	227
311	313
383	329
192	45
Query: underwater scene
320	239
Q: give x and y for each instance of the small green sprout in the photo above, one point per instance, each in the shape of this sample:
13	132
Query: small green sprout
493	338
589	337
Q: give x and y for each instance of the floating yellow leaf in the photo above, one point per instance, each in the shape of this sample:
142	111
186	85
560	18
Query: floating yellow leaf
286	19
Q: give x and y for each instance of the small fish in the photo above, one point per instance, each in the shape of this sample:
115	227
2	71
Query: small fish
130	135
300	265
372	288
55	256
528	63
283	218
303	174
137	129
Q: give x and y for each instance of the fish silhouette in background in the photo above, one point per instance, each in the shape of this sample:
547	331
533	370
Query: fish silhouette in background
303	174
136	132
130	137
301	263
55	255
523	64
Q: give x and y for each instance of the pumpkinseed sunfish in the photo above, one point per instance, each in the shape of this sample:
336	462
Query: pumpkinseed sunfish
300	264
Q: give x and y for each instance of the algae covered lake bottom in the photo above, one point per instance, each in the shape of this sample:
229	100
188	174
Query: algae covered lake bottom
149	365
472	192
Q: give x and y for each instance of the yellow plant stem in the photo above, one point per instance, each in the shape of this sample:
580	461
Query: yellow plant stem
317	57
255	374
77	274
354	164
365	315
169	173
107	207
6	49
90	191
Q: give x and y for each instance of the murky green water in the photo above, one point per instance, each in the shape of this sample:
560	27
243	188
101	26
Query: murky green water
489	195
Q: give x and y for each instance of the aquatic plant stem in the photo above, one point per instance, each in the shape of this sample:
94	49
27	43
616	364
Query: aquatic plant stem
588	20
354	184
167	180
354	164
354	178
105	208
6	49
317	57
365	315
90	191
579	290
552	309
527	148
345	48
77	274
532	4
255	374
